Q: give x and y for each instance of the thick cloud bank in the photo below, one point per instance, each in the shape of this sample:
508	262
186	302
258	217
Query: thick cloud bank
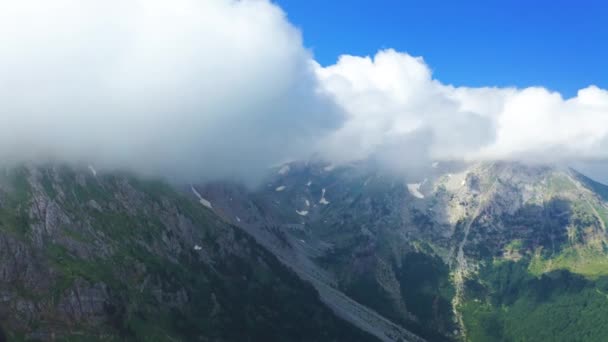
194	89
397	111
182	88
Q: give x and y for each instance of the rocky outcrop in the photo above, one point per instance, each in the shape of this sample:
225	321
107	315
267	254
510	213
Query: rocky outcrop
84	302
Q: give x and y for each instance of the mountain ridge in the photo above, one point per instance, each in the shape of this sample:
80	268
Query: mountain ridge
358	217
458	253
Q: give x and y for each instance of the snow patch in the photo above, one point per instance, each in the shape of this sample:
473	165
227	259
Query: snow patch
329	168
197	247
414	189
206	203
93	170
464	182
307	203
302	213
323	200
284	170
309	183
238	219
434	165
280	188
203	201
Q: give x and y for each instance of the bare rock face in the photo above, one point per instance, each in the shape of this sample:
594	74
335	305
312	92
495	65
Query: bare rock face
84	302
19	264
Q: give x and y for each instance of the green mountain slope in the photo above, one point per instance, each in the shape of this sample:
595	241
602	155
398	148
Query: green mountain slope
86	256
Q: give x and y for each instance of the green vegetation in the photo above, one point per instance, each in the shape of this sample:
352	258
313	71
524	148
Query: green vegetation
602	211
427	292
559	183
14	221
366	289
585	261
508	303
547	274
13	216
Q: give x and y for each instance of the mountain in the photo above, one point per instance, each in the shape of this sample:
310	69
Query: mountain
110	256
488	251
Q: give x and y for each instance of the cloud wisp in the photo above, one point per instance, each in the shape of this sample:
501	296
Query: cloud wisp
196	90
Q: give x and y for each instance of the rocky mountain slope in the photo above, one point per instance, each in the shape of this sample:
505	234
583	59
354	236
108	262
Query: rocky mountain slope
477	252
456	251
87	256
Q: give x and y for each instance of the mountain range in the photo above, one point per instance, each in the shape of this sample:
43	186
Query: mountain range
454	251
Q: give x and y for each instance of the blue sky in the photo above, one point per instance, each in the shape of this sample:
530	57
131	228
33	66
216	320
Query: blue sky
561	45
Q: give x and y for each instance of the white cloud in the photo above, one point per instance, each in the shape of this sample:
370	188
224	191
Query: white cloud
196	89
536	123
399	113
182	88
